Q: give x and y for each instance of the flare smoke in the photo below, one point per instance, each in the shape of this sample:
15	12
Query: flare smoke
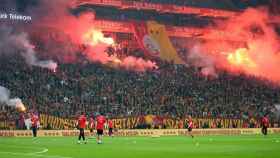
17	42
13	102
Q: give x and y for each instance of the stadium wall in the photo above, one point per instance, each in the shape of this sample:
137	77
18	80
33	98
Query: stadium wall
151	132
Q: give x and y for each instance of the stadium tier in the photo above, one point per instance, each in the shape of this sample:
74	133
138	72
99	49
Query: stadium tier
139	78
162	8
109	56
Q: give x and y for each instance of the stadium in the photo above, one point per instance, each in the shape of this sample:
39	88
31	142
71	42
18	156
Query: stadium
139	78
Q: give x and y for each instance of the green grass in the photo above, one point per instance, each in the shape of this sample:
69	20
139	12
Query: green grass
253	146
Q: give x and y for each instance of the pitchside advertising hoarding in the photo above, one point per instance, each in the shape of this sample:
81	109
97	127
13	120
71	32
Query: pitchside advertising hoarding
140	132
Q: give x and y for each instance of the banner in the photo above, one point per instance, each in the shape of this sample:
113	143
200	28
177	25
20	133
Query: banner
139	122
152	121
167	52
153	39
141	33
148	121
52	122
143	122
7	125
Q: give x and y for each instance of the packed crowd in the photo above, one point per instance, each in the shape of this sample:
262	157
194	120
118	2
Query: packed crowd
171	90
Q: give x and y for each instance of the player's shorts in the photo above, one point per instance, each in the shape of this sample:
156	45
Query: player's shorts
110	131
189	129
99	131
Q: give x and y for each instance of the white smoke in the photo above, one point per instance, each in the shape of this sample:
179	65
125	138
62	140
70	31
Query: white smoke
4	95
14	102
138	64
14	42
198	59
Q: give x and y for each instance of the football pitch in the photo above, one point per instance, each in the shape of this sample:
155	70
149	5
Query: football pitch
249	146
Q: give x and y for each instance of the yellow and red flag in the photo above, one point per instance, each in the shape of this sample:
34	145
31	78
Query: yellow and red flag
153	39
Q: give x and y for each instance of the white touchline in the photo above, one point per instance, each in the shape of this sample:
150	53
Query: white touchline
36	155
44	150
25	147
41	152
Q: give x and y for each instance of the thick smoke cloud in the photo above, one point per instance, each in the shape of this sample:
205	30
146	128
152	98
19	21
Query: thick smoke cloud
70	36
13	102
201	60
258	51
17	42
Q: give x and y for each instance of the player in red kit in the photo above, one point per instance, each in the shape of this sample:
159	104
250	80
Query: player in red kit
264	124
190	126
82	125
110	124
34	124
101	120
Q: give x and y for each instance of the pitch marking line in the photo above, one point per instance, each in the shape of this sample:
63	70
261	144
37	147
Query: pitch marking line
41	152
36	154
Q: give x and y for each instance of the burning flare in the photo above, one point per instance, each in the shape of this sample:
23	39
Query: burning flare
94	37
14	102
96	51
17	103
241	58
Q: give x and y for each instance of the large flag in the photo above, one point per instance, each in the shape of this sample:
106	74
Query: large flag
141	33
153	39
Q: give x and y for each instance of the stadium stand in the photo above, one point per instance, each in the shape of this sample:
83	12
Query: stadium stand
172	90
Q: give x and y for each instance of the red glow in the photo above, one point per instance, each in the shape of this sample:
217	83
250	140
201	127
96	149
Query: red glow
257	55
